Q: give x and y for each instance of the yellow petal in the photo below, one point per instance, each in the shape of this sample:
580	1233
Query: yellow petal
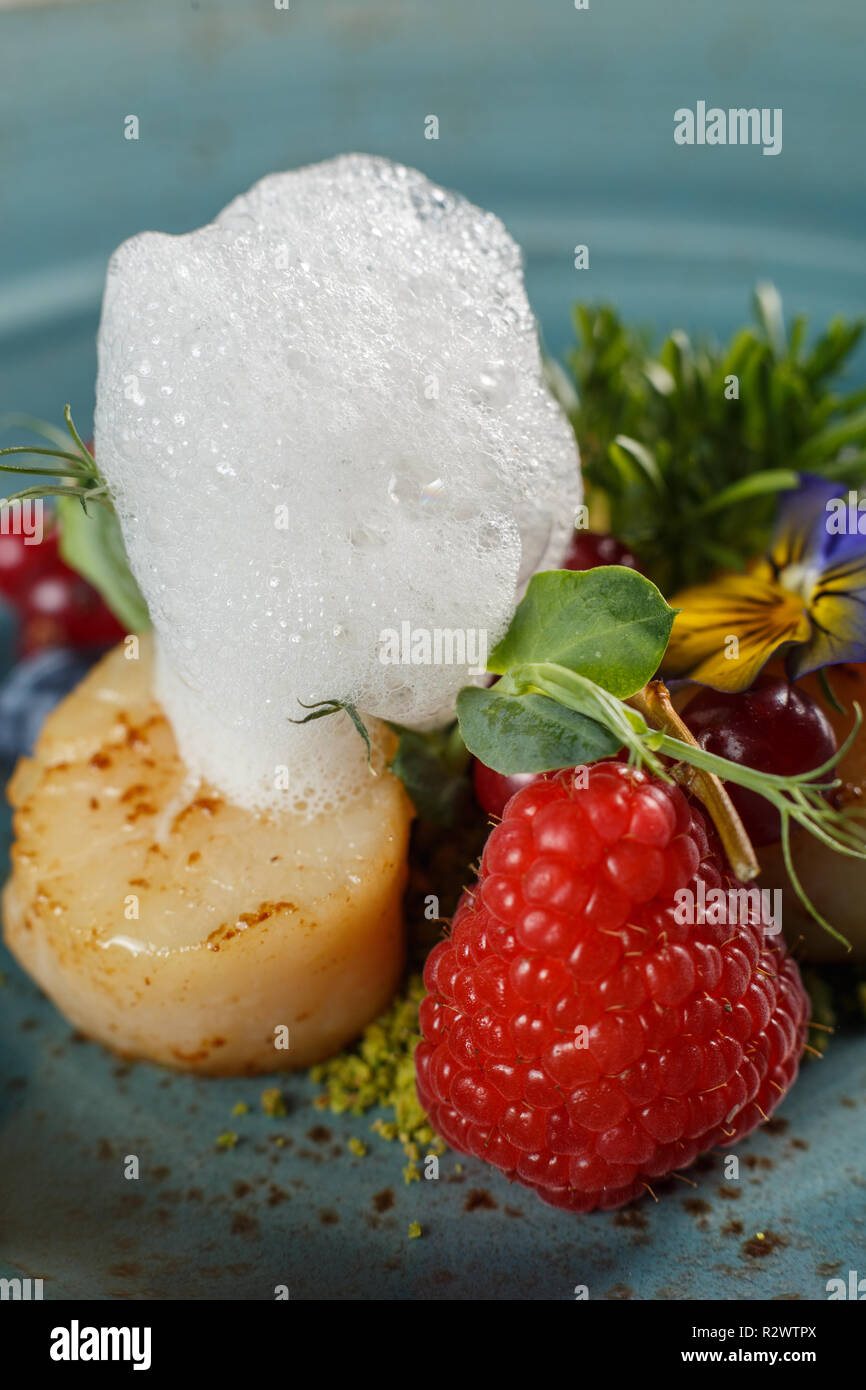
752	608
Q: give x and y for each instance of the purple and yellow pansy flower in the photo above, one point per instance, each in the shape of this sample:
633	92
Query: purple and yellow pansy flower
805	600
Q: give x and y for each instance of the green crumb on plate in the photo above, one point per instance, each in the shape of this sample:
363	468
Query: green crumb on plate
357	1147
227	1140
241	1108
379	1071
414	1230
273	1102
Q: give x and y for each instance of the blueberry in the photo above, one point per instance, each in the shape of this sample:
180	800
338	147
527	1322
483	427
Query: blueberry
31	691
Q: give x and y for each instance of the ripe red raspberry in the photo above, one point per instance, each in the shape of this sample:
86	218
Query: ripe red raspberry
575	1034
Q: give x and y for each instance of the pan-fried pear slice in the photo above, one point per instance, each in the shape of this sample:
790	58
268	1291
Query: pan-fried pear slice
173	925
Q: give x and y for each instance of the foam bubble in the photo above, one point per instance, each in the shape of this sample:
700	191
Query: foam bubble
323	417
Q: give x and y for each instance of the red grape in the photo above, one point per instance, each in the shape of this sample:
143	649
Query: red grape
493	790
60	609
773	726
588	549
21	564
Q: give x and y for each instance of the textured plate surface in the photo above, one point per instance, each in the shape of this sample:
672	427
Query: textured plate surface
562	123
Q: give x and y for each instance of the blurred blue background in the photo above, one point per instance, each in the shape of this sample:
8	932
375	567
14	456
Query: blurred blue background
562	122
559	120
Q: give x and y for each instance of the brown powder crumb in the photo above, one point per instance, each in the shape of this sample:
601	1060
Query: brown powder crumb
732	1228
799	1143
762	1244
319	1134
777	1125
632	1219
479	1199
696	1206
513	1211
241	1189
328	1216
384	1200
753	1161
243	1225
276	1195
730	1194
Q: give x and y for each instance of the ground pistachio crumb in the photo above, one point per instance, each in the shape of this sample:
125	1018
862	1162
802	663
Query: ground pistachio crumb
414	1230
227	1140
357	1147
379	1071
273	1102
241	1108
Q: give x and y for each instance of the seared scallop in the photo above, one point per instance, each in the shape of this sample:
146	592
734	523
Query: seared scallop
173	925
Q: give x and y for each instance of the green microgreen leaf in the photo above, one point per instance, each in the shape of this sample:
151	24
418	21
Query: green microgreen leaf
610	624
525	732
772	480
91	542
433	768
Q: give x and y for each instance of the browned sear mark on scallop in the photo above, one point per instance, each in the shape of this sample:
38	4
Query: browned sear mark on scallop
206	1047
226	931
137	790
208	805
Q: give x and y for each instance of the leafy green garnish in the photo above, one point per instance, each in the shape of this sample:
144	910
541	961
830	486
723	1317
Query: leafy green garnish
620	638
320	709
515	731
92	544
433	768
544	714
684	470
90	537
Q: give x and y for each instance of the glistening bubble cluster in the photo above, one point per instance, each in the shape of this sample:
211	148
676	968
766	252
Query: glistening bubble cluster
322	416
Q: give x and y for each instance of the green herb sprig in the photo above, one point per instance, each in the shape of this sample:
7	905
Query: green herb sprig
91	541
576	684
687	472
545	714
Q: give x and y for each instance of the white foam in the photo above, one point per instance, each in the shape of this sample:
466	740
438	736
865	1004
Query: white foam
353	344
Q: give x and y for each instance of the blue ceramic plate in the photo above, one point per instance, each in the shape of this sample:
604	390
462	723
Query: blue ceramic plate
562	122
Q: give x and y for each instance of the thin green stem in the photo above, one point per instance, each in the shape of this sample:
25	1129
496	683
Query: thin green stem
67	415
80	465
800	798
